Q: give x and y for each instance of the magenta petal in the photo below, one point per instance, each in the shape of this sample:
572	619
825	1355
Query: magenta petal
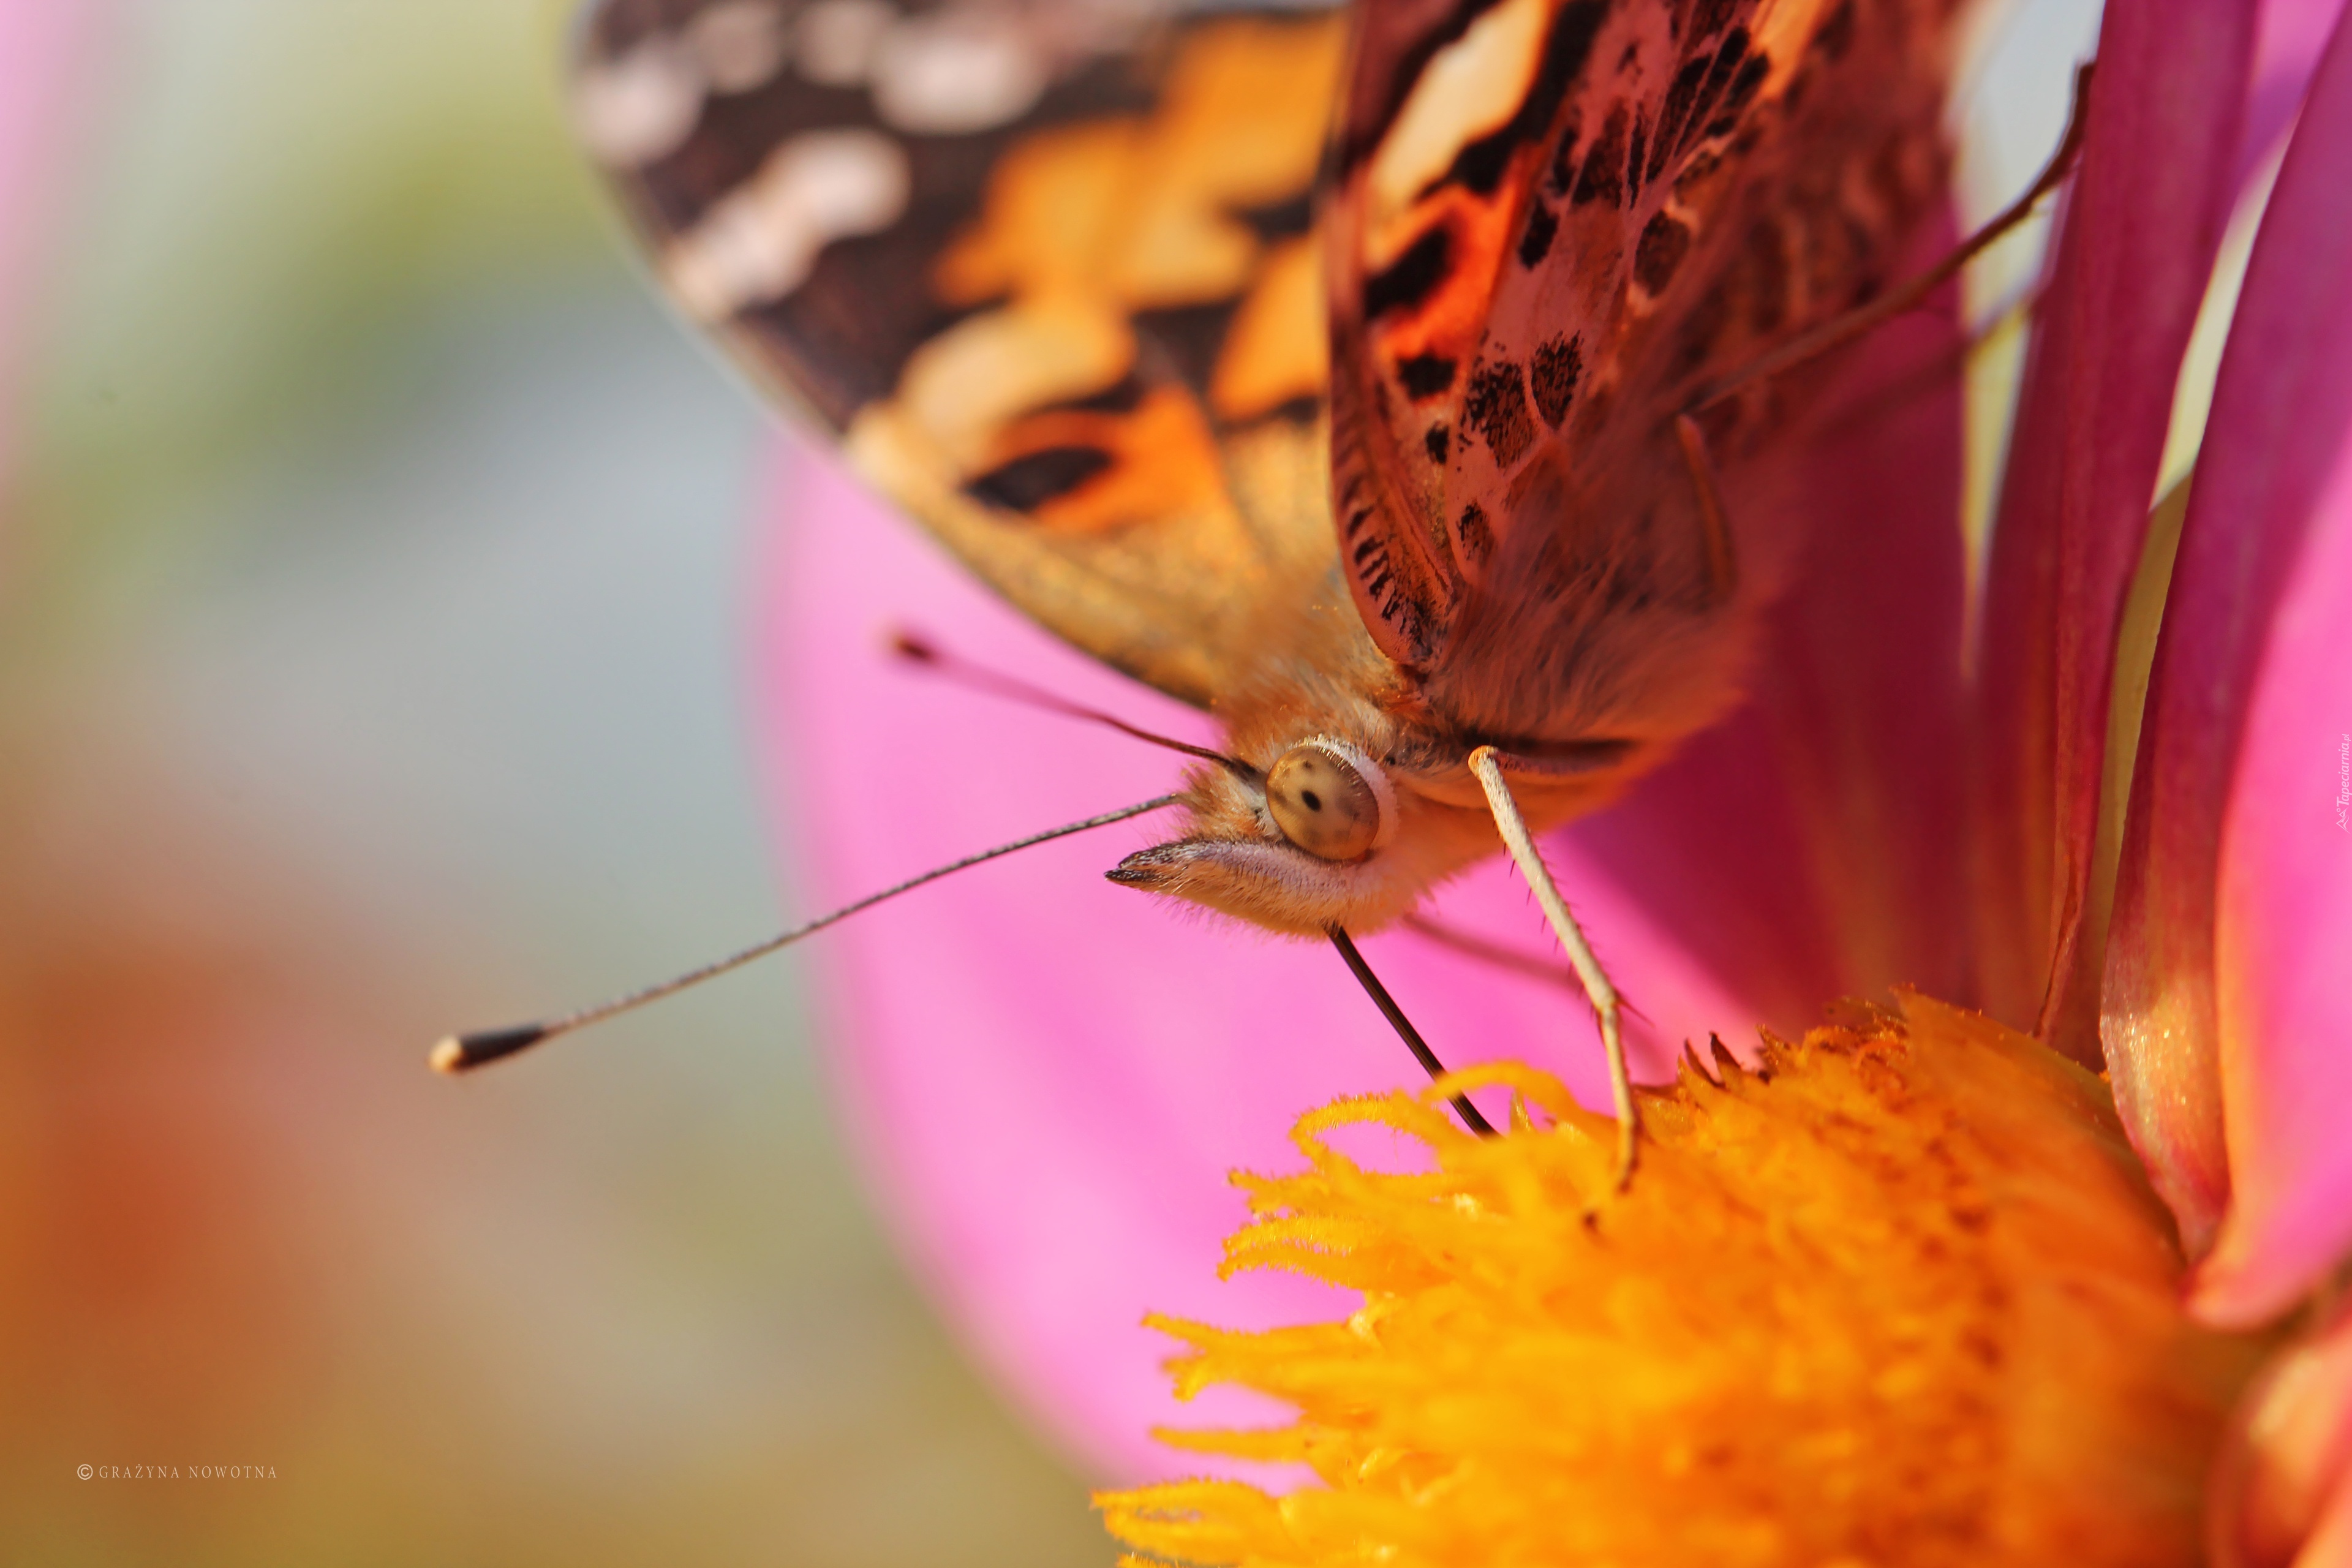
2284	942
2142	224
2233	941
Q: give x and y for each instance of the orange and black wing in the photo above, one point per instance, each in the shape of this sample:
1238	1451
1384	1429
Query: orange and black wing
1552	220
1048	270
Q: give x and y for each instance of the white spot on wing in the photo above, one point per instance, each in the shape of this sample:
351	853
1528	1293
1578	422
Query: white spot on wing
739	45
951	74
1467	89
835	42
635	109
759	243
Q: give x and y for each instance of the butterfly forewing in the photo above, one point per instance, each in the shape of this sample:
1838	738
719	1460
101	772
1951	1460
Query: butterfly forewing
1049	270
1333	385
1552	221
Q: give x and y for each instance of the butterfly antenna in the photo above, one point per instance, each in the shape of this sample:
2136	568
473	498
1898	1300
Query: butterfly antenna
462	1053
1403	1027
915	648
1597	988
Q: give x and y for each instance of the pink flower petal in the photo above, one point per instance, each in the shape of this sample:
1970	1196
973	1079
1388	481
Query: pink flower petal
1050	1076
2142	223
2235	912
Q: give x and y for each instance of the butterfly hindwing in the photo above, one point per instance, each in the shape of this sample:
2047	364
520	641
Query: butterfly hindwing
1554	218
1048	271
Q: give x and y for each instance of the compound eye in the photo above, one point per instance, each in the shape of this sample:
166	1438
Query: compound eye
1322	803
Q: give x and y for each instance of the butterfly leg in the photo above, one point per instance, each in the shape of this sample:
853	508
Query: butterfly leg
1865	318
1403	1027
1606	1004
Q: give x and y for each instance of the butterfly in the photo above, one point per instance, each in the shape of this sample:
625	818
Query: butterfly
1344	374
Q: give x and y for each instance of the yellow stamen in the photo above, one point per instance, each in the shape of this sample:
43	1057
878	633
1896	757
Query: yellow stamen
1899	1297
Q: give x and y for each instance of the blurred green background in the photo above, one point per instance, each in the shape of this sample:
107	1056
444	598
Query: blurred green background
370	580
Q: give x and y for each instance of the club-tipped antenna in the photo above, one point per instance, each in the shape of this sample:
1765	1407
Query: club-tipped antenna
461	1053
915	648
1403	1027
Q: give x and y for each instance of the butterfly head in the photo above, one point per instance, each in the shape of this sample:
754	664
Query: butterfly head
1329	799
1303	842
1330	831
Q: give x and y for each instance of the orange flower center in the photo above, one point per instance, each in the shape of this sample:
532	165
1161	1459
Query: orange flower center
1898	1296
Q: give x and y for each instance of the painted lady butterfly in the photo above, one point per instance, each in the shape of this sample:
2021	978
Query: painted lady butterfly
1334	383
